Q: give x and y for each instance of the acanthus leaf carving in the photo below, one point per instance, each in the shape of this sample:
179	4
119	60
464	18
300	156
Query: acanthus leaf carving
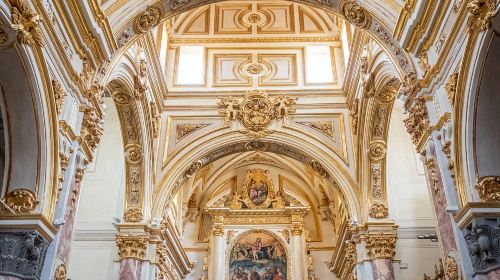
418	121
489	188
133	215
132	246
26	23
148	19
91	128
378	210
355	14
451	268
21	201
381	245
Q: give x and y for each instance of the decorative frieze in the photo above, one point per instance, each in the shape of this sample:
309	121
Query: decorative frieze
132	246
381	245
489	188
26	23
22	254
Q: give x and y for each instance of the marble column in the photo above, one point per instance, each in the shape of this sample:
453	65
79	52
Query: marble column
381	250
298	253
132	249
217	253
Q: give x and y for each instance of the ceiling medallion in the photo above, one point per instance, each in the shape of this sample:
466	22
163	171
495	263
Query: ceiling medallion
254	18
256	111
255	68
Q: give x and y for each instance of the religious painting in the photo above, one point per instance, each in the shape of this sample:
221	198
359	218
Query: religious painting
258	255
258	189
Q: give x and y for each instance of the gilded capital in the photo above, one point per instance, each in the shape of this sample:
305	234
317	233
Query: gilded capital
218	230
297	229
132	246
381	245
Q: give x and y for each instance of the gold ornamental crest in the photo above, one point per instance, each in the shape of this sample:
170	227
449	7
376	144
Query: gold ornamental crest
256	111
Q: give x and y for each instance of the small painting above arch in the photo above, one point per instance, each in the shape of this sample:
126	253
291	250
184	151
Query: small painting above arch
258	255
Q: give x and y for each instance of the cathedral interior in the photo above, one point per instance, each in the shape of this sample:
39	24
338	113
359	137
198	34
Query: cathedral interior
249	140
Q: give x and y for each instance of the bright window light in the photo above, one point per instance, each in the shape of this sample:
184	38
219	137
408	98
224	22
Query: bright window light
318	65
190	68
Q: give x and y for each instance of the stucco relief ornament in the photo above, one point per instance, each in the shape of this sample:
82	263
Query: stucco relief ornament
21	201
482	14
255	68
355	14
389	91
489	188
59	95
91	128
378	210
411	85
451	268
381	245
148	19
377	150
132	246
60	273
256	111
133	153
26	23
418	121
133	215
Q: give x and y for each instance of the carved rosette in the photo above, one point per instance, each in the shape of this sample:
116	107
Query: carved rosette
148	19
26	23
60	273
482	13
133	153
59	95
378	210
133	215
489	188
132	246
377	150
255	68
355	14
381	245
21	200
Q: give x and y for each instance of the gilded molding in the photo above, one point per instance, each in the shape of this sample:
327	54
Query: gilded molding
26	23
132	246
489	188
133	215
355	14
378	210
59	95
148	19
21	201
481	13
60	273
381	245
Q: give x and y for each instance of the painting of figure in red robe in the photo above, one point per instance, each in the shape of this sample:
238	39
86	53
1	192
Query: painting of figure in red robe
258	256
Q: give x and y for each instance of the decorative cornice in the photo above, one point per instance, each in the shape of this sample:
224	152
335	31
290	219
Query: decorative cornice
132	246
381	245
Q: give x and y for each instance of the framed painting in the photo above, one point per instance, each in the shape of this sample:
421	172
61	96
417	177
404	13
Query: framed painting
258	189
258	255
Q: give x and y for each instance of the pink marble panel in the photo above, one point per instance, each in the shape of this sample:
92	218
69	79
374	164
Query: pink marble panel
382	269
494	275
130	269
